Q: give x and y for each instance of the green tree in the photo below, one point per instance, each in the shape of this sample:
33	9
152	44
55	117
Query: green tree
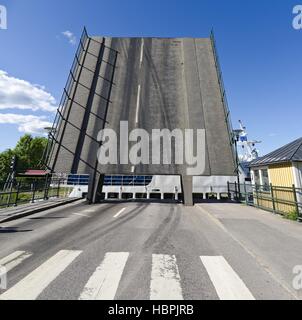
29	152
5	160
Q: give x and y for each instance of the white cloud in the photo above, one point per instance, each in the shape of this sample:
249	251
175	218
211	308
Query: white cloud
70	36
26	123
20	94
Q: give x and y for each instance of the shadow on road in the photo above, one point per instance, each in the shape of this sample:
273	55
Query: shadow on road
12	230
46	218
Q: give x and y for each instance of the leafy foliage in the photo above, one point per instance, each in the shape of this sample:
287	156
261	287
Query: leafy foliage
292	215
29	152
5	159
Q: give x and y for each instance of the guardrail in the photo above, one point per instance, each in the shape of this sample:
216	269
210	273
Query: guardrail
286	201
30	190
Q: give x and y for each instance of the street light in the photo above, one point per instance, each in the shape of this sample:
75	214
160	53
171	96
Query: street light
236	137
50	132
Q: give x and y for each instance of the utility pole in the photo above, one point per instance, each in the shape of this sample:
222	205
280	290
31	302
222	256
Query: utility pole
236	137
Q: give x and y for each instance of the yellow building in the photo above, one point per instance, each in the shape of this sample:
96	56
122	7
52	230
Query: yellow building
279	177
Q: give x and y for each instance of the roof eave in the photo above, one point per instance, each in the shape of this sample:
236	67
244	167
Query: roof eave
261	164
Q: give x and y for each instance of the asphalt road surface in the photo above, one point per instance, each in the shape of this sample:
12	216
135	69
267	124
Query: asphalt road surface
150	251
158	83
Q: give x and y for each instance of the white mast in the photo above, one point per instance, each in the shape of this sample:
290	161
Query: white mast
249	147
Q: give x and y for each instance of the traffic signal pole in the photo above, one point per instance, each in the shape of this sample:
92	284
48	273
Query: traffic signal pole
11	177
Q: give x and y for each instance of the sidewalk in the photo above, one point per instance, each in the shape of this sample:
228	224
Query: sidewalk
13	213
275	242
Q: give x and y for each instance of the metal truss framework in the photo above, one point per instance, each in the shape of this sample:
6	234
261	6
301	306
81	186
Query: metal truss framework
62	118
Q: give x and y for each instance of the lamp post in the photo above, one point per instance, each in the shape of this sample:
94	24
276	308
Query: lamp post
236	137
50	132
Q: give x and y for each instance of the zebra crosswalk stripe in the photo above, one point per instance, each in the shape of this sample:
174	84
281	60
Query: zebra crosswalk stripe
104	282
227	283
32	285
165	278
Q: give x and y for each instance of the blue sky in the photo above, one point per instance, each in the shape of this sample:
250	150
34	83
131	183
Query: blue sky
260	54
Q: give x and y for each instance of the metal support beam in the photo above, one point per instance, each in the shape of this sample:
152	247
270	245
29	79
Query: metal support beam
84	126
187	190
69	110
95	188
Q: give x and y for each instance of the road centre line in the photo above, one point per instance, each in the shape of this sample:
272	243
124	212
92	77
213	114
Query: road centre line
119	213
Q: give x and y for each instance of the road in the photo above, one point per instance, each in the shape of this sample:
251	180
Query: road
150	251
158	83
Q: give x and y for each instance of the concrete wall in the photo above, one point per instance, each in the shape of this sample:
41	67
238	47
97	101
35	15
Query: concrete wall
171	184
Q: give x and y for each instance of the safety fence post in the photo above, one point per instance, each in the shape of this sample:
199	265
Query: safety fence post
245	194
296	199
257	196
46	187
17	193
33	189
58	191
273	197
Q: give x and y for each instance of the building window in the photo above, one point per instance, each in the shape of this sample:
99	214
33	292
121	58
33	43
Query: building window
265	180
257	177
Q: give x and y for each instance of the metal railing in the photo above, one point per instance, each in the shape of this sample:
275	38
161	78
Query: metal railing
65	99
31	190
78	179
69	101
278	199
110	180
124	180
227	113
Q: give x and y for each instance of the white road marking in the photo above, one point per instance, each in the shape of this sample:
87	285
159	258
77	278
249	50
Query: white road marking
89	210
32	285
138	103
119	213
227	283
142	53
165	278
14	259
139	91
81	215
105	280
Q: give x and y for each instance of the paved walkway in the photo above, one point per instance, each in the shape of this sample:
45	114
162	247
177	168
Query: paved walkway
12	213
273	241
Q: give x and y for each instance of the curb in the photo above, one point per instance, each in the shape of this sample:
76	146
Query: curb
37	210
